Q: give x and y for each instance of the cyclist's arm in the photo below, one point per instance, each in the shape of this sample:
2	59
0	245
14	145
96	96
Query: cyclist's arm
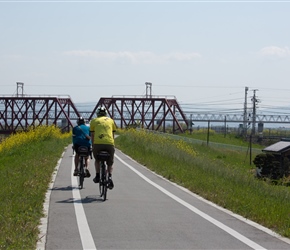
73	136
114	129
92	137
92	132
88	137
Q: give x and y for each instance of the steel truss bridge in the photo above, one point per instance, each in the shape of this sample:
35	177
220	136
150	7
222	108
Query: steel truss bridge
20	113
239	118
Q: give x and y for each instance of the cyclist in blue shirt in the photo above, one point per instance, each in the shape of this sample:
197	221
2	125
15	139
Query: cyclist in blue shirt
81	137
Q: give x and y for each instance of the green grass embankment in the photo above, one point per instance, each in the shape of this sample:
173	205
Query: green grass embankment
27	161
220	175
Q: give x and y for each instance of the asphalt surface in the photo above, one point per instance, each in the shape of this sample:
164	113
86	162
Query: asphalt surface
143	211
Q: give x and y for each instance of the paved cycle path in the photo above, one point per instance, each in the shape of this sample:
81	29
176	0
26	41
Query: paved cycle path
143	211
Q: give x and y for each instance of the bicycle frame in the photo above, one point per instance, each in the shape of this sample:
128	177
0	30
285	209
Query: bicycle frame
103	156
83	152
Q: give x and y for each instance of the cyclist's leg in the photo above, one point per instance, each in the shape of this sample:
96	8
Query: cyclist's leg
110	162
97	168
87	161
88	174
111	150
97	163
76	160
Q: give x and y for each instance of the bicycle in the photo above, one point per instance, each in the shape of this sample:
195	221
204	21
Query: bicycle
83	152
103	156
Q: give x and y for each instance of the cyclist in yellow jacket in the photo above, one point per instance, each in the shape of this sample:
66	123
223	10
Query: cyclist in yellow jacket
102	130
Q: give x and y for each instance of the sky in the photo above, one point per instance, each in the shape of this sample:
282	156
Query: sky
203	53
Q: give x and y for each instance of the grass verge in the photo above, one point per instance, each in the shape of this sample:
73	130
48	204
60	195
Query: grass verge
27	161
219	175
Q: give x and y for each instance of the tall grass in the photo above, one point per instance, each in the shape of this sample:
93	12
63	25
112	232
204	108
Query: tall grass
219	175
27	161
212	136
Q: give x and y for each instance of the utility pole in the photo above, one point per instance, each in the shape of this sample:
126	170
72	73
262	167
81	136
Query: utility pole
245	113
190	124
254	100
225	132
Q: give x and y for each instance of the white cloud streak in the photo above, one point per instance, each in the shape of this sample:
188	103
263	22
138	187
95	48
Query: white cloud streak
141	57
275	51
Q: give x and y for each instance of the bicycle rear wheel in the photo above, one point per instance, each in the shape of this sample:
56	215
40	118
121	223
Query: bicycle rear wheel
104	189
81	176
100	182
101	187
103	181
105	185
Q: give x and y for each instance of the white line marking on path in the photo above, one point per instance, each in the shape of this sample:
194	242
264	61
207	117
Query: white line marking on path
84	230
44	221
222	226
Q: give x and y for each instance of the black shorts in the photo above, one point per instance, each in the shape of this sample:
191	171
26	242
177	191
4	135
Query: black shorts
76	148
105	147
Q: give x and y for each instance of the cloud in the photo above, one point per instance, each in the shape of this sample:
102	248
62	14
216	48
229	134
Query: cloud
182	56
141	57
275	51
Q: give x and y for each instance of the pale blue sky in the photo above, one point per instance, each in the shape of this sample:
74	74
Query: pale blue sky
201	52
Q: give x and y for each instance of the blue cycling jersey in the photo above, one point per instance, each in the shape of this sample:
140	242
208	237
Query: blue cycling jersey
79	135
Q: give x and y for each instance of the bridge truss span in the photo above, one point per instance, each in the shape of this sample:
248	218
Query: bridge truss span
20	113
148	113
238	118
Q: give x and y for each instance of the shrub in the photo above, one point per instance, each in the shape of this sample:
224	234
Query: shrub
269	166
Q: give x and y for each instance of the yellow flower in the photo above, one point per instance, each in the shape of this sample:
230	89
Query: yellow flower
38	133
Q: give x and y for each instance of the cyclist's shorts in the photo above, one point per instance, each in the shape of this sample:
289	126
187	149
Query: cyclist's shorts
76	148
105	147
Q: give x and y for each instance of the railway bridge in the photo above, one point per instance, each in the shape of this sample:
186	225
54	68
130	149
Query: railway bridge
154	113
20	113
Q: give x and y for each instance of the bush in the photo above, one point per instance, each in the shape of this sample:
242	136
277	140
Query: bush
269	166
